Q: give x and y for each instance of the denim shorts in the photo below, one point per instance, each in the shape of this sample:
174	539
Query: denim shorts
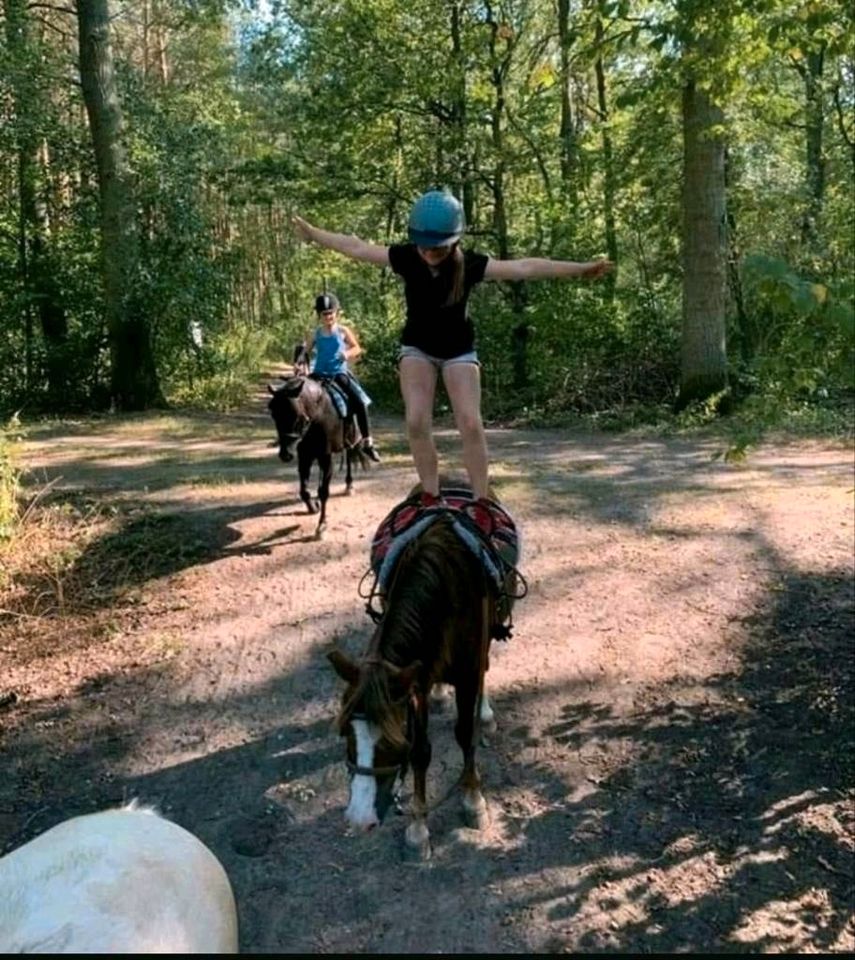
438	362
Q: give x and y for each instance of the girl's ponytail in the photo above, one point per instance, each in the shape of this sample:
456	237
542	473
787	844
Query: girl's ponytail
457	269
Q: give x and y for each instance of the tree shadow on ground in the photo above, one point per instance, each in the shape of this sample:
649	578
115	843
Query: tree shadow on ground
723	830
139	544
715	811
606	480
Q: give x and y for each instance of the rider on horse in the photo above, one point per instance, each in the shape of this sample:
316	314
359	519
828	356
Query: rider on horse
333	345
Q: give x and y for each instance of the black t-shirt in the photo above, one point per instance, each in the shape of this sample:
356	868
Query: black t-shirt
433	326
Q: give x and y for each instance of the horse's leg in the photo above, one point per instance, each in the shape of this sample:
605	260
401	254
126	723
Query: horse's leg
440	697
304	468
325	465
488	718
417	836
348	477
466	733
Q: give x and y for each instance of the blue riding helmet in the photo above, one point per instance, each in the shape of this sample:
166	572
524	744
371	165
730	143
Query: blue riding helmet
436	219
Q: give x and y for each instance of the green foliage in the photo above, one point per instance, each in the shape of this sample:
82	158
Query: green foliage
221	374
802	332
345	112
10	436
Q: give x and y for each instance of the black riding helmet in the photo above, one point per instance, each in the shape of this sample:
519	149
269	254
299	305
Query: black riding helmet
326	301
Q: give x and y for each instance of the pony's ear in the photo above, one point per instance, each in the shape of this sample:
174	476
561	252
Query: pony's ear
270	388
293	387
343	666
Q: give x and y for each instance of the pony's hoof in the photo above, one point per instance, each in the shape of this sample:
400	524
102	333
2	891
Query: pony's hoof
417	854
319	533
489	725
348	491
475	814
416	844
441	698
310	507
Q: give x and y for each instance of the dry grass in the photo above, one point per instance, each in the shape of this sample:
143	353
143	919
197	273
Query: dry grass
77	568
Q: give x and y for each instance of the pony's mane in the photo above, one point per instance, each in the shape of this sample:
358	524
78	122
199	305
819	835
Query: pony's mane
373	695
292	382
435	575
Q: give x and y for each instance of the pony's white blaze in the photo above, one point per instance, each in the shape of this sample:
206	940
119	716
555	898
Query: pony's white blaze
363	788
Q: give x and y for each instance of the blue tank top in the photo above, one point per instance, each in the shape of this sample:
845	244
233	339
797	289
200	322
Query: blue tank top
329	352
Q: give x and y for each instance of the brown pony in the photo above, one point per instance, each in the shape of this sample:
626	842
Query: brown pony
437	618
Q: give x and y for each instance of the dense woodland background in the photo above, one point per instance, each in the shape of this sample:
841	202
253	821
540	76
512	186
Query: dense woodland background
151	153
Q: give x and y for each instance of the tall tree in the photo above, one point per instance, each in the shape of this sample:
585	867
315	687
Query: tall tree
703	354
567	129
609	188
133	377
41	291
703	366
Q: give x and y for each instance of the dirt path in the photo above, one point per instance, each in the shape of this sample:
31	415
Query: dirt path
672	769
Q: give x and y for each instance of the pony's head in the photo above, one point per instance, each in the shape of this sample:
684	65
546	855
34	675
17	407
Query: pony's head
291	407
377	719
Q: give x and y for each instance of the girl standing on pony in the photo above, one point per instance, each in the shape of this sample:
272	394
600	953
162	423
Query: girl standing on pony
332	345
438	336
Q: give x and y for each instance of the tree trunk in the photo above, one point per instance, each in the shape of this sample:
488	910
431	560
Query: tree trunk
40	287
567	129
48	296
458	116
133	381
745	326
608	165
814	163
500	66
703	356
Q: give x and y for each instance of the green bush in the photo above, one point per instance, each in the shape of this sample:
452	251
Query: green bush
220	374
797	336
9	477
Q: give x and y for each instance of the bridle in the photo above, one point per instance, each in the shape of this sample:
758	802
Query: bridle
301	424
399	769
301	420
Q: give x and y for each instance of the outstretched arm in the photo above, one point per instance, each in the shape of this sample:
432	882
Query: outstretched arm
539	268
354	348
342	243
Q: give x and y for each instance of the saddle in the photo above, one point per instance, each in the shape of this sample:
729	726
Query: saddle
484	526
336	394
339	396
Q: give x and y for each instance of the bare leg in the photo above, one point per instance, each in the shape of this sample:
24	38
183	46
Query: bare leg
463	383
418	388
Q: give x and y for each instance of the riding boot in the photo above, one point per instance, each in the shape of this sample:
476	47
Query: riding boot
370	450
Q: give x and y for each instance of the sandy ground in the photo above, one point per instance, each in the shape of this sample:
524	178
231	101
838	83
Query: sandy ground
672	767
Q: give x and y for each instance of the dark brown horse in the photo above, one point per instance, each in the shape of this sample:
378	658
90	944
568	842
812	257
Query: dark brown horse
437	619
305	416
